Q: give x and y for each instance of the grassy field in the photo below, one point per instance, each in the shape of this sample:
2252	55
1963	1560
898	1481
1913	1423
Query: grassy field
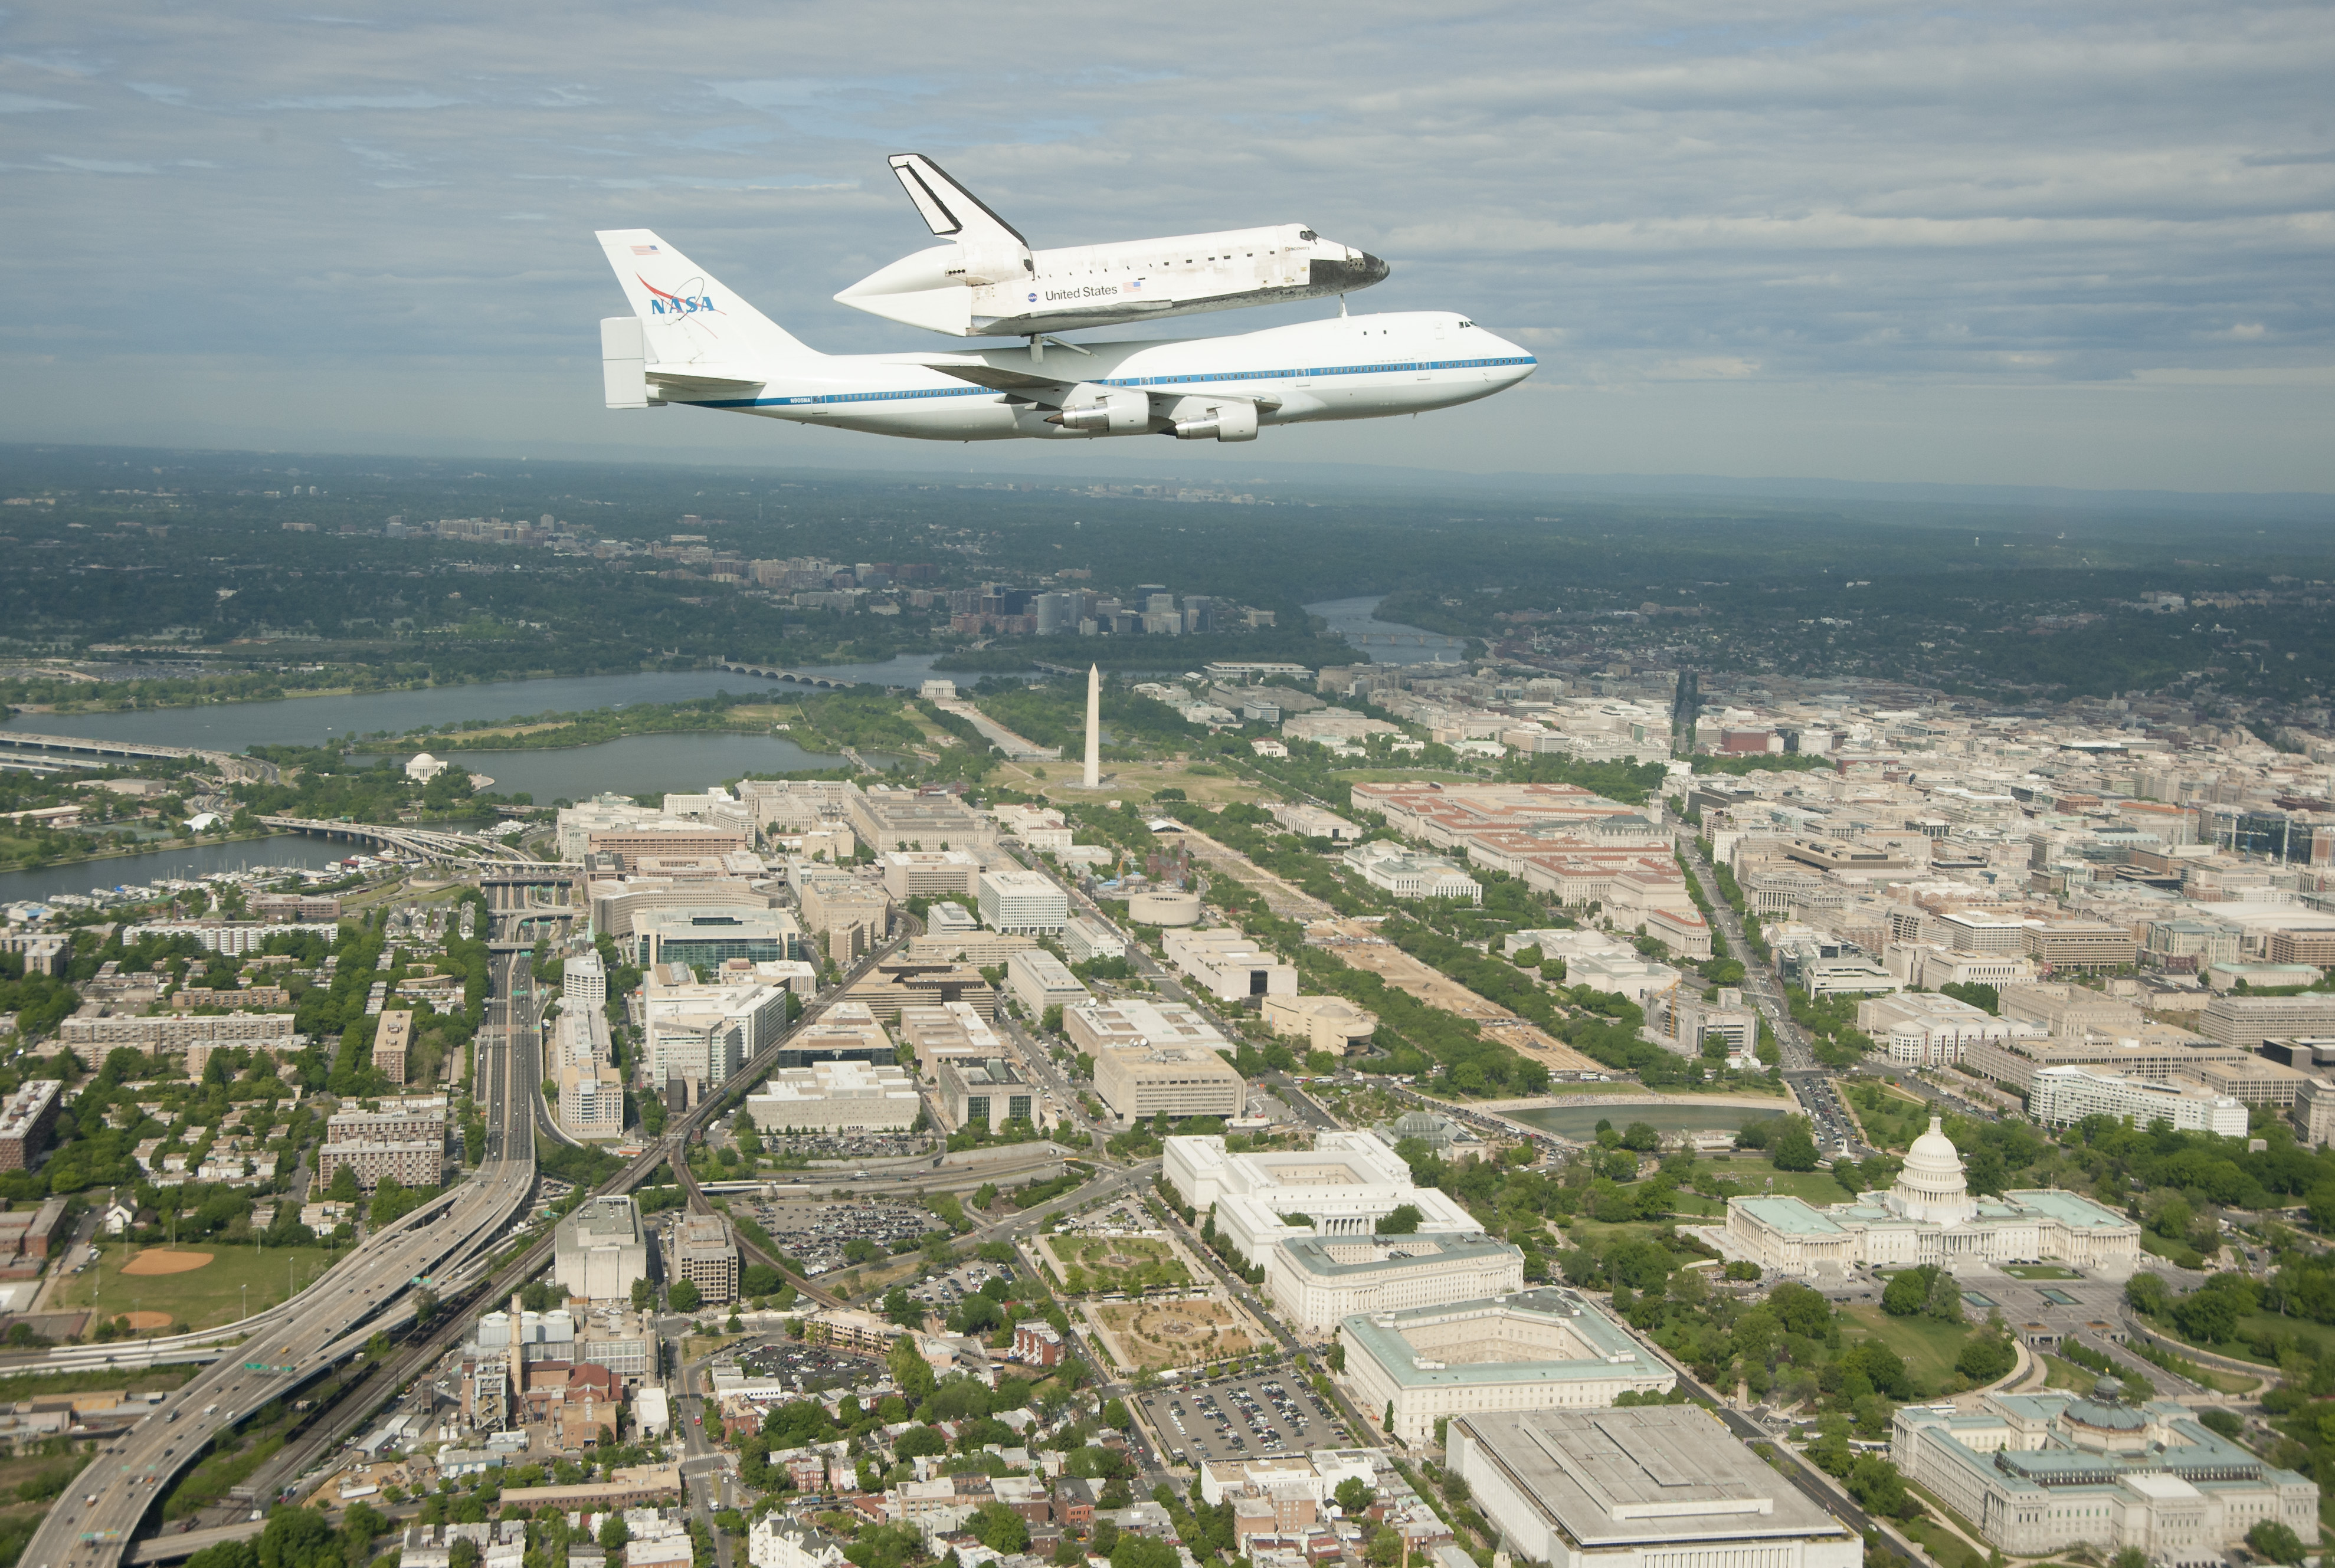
200	1298
1131	781
2060	1374
1175	1333
1892	1118
1752	1172
15	1388
1105	1264
1950	1550
1927	1346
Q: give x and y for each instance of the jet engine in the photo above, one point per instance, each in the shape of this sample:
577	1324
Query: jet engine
1114	411
1231	422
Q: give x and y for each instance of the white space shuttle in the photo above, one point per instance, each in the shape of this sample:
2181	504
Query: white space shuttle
986	281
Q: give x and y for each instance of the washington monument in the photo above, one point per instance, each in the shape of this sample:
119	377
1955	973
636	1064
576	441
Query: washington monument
1093	780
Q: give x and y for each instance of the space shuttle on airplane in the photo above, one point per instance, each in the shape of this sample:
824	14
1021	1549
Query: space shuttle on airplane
690	341
987	282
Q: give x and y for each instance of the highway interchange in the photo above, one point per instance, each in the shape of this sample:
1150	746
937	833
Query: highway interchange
285	1346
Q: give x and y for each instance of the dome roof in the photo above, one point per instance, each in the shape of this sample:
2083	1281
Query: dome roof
1933	1165
1931	1186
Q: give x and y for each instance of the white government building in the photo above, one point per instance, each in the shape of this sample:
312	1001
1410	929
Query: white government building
1344	1187
1543	1350
1666	1486
1318	1281
2043	1472
2059	1096
835	1097
1927	1217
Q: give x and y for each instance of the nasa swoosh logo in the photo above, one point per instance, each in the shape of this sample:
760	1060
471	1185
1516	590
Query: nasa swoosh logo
691	301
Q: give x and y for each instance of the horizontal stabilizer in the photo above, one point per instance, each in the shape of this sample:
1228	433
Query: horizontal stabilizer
692	378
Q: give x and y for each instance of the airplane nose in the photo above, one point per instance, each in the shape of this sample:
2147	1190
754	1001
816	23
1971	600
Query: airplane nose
1360	269
1521	363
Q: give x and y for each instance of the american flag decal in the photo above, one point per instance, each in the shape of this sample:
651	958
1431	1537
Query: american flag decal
644	250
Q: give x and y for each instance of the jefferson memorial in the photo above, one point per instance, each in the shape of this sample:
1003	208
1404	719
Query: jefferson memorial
1927	1217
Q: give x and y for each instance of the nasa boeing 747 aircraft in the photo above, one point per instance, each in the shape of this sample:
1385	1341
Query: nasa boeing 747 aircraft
690	341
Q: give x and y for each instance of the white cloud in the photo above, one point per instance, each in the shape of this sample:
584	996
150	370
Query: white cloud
1694	201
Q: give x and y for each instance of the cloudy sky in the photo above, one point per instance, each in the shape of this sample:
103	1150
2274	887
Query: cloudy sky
2084	245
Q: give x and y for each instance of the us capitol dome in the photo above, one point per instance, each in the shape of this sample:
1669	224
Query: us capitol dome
1928	1216
1931	1186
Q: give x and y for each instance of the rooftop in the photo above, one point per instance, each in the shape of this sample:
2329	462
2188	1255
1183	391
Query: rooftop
1664	1472
1332	1257
1554	1336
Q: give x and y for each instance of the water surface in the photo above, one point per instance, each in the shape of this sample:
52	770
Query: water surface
1579	1122
189	864
311	720
1356	620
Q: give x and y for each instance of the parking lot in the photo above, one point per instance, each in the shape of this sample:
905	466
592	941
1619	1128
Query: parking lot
943	1290
1262	1416
807	1368
817	1232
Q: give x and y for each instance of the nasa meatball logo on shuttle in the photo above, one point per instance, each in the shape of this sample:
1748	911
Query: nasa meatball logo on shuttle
692	302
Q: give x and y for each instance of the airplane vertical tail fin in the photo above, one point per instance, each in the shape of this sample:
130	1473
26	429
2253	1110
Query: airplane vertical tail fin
948	208
990	251
686	316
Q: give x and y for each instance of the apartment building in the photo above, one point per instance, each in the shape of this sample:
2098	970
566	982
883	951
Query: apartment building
415	1162
392	1040
28	1120
705	1254
582	981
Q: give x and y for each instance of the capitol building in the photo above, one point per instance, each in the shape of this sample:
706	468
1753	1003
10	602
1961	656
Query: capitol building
1927	1217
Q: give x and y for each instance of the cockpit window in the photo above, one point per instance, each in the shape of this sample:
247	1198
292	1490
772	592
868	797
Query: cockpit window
1467	324
1307	234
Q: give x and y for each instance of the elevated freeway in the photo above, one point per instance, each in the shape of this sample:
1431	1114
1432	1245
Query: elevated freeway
80	747
448	1244
373	1290
421	841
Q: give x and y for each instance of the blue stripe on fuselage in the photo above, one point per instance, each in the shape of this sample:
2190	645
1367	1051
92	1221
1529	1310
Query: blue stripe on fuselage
1161	380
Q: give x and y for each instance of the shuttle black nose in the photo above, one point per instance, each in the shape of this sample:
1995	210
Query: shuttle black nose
1360	271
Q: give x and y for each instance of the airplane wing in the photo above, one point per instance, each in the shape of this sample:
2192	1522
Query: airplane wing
1051	391
1041	388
